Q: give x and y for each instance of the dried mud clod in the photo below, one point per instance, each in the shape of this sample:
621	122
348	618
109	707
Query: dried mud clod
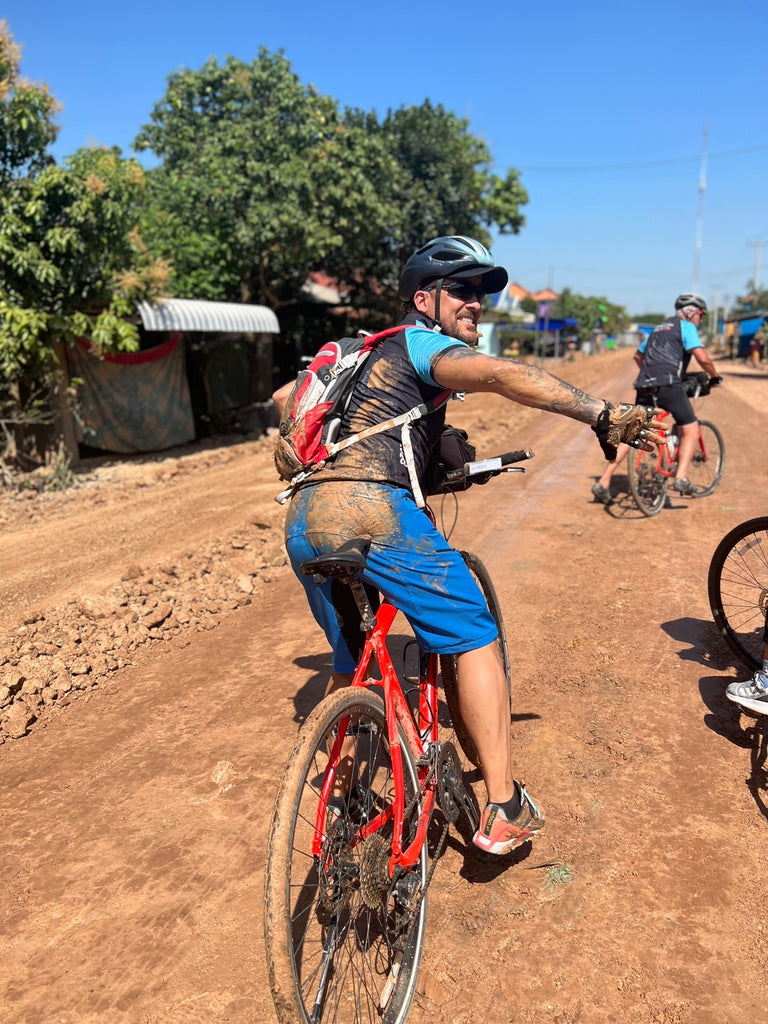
55	657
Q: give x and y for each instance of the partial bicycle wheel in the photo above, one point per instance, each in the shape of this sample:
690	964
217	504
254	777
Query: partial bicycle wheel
646	484
738	588
708	460
448	663
344	941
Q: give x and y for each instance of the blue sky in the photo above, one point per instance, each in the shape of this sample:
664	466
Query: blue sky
602	106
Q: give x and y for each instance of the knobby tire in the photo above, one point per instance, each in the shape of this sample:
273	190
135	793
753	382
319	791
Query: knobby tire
706	468
646	484
737	584
332	957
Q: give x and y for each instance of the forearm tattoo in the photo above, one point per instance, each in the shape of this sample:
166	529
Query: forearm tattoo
520	382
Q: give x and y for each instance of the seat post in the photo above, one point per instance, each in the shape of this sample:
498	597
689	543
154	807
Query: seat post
367	616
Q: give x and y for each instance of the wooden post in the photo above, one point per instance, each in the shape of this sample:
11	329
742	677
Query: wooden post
66	421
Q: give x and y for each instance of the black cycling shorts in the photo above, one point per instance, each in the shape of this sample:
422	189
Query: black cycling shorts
671	397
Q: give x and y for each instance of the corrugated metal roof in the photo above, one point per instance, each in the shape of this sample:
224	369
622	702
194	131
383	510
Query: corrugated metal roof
199	315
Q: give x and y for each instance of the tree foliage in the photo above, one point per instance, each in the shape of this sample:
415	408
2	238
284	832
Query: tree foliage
27	110
71	260
591	313
262	180
754	300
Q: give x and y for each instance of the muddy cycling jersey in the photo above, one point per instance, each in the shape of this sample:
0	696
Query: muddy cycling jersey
667	352
397	377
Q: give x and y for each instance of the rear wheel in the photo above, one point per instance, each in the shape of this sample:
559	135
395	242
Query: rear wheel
344	940
738	588
448	663
646	484
706	466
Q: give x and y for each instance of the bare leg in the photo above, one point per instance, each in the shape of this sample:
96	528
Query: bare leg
484	704
610	469
689	438
337	681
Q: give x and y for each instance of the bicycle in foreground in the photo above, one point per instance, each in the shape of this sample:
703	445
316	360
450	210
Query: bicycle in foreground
362	813
649	473
737	585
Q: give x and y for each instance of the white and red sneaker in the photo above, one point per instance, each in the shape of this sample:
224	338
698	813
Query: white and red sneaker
498	835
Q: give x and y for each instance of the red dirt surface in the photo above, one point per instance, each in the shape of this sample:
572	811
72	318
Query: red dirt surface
157	661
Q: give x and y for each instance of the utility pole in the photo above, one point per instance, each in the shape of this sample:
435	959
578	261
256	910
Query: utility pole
713	320
758	244
700	212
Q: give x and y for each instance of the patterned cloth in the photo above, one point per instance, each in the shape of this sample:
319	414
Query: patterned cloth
133	402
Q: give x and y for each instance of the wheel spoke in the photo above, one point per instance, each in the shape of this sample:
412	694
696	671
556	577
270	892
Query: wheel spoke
342	945
738	588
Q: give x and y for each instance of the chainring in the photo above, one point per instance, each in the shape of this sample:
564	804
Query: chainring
453	796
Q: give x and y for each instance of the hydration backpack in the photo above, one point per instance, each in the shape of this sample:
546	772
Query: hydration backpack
310	422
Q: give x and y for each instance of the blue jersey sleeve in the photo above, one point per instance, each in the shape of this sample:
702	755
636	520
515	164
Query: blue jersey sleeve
690	336
423	345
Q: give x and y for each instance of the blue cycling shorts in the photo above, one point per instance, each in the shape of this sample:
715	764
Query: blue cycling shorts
409	562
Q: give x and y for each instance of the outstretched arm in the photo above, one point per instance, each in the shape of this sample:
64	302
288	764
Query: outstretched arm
464	370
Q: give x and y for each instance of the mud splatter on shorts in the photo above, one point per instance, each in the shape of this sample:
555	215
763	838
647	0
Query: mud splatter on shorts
409	561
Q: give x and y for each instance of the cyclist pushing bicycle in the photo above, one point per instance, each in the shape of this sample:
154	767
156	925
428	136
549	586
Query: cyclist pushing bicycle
374	489
663	359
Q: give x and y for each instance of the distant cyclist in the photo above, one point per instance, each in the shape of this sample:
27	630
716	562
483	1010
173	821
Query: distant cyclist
663	360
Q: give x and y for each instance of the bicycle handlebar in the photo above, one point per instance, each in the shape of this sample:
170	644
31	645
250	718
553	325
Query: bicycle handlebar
490	467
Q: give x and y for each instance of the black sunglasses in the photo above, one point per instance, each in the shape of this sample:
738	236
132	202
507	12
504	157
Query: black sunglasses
461	290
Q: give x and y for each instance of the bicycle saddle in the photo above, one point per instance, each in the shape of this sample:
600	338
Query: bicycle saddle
346	560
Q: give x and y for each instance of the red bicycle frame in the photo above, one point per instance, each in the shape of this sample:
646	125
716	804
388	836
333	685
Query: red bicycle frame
397	712
666	463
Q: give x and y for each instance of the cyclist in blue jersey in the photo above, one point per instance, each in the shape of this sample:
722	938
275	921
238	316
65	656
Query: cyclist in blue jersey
375	488
663	360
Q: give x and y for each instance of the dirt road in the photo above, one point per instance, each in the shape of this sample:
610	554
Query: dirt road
168	662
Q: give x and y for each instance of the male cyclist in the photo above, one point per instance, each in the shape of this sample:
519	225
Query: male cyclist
371	490
663	359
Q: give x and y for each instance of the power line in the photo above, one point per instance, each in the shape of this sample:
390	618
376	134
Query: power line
640	164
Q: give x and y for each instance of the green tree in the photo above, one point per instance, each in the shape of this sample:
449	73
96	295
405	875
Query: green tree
591	313
27	111
445	186
71	260
754	300
262	180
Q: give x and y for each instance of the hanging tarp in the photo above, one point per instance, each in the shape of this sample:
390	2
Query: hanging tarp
133	401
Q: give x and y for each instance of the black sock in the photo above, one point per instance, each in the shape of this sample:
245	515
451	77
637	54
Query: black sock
512	806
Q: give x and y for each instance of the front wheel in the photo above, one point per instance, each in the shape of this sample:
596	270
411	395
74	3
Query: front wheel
738	589
708	460
448	663
343	939
647	485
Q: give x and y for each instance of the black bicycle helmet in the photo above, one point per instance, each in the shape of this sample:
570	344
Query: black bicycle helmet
454	256
690	299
